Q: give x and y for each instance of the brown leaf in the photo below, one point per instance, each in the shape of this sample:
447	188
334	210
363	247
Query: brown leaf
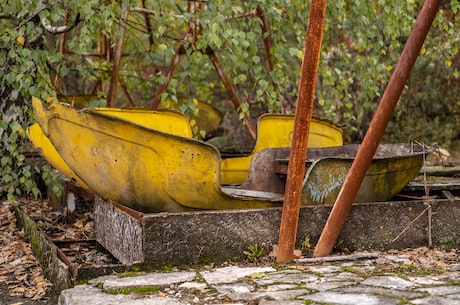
38	296
78	224
441	264
18	289
408	262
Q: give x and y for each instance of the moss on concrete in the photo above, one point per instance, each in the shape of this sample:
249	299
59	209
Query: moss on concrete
45	251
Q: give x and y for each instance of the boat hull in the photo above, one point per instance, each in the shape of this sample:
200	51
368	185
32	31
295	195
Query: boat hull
142	168
151	171
393	166
275	131
165	120
48	152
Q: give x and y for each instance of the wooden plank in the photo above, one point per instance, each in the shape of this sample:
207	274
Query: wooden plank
432	186
442	171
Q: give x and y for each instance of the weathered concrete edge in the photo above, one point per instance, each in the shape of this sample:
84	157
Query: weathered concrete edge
118	232
45	251
193	237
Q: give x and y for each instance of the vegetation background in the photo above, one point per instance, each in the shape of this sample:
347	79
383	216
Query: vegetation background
252	49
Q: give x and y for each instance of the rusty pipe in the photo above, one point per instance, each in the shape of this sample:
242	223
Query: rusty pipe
361	164
303	114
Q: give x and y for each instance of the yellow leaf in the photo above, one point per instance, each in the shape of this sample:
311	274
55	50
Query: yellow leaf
168	105
423	51
21	40
389	67
195	101
211	85
300	54
192	122
449	63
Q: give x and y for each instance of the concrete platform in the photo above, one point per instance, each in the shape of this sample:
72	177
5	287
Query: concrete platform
194	237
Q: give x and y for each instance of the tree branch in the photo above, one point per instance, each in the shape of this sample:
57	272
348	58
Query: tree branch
59	29
147	11
7	16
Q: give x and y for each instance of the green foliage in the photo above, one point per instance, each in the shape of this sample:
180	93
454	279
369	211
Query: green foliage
359	55
361	47
361	44
167	268
145	290
15	173
254	251
306	244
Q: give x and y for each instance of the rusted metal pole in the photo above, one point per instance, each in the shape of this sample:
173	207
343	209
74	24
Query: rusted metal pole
376	129
303	114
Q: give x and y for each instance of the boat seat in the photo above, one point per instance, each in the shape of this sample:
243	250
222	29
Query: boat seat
164	120
244	193
275	131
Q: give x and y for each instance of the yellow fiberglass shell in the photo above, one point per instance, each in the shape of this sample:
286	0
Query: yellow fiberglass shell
47	151
208	117
165	120
78	101
392	167
275	130
139	167
169	121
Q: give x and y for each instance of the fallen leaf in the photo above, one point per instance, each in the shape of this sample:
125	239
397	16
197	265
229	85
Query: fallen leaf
301	267
441	264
